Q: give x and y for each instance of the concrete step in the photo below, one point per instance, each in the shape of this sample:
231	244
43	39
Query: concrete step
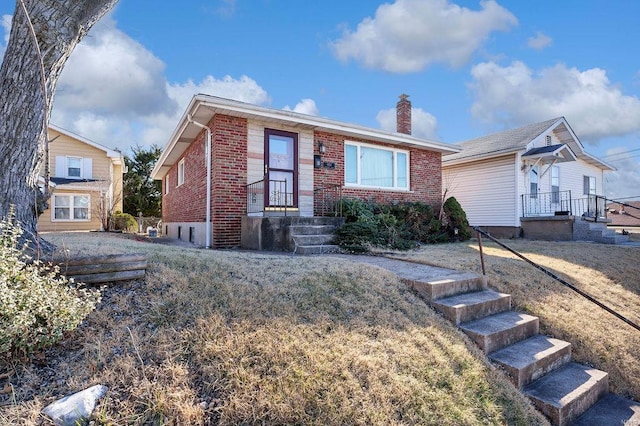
564	394
312	240
311	229
614	239
470	306
531	359
500	330
611	410
316	220
450	285
317	249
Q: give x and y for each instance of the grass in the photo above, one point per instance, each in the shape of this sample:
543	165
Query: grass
608	273
226	337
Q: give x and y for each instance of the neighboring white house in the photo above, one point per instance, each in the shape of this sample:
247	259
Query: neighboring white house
533	171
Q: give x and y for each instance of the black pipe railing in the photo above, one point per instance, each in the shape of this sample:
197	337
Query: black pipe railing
279	199
590	298
327	201
562	203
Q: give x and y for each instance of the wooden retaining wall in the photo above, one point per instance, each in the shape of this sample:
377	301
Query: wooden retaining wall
105	268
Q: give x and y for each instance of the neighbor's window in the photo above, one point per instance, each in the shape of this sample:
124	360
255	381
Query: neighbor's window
181	172
366	165
533	182
589	185
74	167
555	184
71	207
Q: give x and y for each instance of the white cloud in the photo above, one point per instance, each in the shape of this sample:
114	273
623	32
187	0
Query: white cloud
409	35
305	106
540	41
625	181
423	124
110	72
6	26
114	91
516	95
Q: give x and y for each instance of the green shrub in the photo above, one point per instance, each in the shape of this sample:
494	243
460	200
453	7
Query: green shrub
124	222
456	220
36	305
399	226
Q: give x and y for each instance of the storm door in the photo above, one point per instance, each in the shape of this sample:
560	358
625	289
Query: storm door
281	169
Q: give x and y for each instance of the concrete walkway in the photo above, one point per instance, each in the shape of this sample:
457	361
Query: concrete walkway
408	270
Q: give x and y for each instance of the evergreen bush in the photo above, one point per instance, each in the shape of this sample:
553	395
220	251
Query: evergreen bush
37	306
457	220
123	222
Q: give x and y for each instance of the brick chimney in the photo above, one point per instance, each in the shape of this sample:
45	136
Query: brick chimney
403	115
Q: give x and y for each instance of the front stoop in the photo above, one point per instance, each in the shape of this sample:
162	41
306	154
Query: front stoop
538	365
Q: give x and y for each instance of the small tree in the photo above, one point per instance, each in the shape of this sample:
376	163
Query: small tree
107	204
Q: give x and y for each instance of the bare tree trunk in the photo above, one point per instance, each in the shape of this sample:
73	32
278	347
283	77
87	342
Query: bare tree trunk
43	35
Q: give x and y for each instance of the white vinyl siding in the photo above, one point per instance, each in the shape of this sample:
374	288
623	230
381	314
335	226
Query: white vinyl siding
486	190
372	166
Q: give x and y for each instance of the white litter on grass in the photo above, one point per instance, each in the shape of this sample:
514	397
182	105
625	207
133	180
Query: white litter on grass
75	409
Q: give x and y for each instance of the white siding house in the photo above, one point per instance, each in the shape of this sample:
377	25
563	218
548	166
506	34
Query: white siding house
533	171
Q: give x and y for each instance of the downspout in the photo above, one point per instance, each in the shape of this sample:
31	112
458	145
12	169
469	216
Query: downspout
208	164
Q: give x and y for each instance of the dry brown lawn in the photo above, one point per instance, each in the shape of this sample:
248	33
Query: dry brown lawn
609	273
227	337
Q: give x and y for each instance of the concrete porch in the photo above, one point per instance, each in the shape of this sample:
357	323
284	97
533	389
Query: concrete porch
301	235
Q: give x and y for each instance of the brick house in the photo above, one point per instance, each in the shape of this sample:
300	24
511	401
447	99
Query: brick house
267	164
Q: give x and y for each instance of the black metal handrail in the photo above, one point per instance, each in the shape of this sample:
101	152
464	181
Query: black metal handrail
562	203
550	274
327	200
279	199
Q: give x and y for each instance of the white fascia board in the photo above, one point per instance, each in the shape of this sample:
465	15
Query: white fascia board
111	153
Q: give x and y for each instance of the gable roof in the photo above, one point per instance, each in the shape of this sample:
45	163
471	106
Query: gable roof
111	153
515	140
202	108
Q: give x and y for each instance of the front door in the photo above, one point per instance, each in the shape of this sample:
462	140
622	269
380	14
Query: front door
281	169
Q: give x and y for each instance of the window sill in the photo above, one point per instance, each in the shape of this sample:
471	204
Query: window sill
377	188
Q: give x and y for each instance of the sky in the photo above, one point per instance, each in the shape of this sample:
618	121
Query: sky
470	68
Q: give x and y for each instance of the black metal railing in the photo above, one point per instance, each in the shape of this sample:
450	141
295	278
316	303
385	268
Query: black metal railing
255	197
562	203
590	298
279	198
327	201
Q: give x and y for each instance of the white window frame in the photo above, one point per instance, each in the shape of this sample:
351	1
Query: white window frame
555	178
66	172
591	189
71	198
395	152
166	184
181	172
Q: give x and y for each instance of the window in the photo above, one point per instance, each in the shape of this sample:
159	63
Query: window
555	184
74	167
370	166
533	182
181	172
589	185
70	207
166	184
69	167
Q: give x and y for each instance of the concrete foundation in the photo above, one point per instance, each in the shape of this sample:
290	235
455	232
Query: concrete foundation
550	228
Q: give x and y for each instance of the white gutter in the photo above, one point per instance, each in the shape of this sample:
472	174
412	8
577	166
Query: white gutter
208	164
